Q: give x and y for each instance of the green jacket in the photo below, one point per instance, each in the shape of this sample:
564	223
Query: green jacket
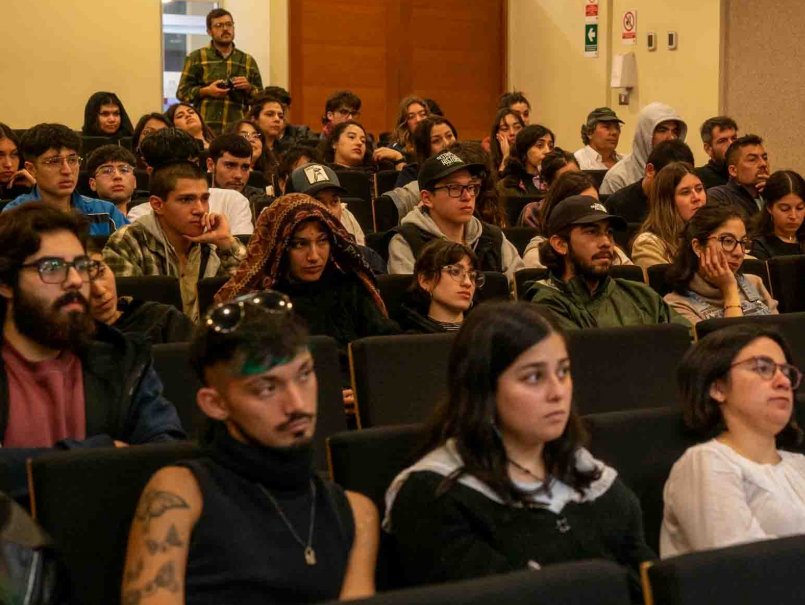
616	302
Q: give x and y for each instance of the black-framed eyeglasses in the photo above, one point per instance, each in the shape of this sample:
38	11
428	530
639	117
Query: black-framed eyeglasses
54	269
456	190
766	367
458	273
345	112
225	318
728	242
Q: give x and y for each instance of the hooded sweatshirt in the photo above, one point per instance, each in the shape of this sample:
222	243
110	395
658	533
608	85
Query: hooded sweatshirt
401	257
632	168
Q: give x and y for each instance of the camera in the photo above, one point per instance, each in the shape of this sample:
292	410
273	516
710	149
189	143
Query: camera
228	84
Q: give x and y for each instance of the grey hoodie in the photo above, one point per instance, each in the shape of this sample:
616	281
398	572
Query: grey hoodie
401	258
632	168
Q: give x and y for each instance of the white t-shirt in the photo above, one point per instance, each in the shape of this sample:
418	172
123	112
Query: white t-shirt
222	201
715	497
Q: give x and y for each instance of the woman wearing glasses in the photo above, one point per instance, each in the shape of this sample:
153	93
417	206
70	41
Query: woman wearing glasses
737	386
445	279
705	275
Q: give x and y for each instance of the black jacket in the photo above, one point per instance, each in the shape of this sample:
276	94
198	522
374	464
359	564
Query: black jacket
713	174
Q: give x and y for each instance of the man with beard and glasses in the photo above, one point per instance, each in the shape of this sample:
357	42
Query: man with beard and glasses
251	521
67	381
579	291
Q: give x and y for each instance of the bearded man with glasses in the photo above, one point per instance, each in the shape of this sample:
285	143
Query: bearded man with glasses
448	190
66	380
51	157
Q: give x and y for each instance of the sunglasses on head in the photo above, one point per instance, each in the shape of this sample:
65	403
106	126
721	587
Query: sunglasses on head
224	318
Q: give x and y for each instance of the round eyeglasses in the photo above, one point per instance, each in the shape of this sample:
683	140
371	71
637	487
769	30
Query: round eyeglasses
458	273
766	367
54	269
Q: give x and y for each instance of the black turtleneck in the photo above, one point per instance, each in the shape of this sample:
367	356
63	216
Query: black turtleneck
241	550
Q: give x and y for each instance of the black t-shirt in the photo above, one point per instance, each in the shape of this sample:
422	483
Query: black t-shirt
768	246
631	203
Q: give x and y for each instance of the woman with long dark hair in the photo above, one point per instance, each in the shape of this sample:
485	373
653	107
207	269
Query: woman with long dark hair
737	386
105	116
706	274
432	135
504	132
348	147
521	175
780	226
185	117
506	483
14	179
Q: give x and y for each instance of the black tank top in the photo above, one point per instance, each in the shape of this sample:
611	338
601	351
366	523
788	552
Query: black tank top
241	552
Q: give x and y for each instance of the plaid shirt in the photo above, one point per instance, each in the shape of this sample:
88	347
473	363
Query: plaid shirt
134	251
204	66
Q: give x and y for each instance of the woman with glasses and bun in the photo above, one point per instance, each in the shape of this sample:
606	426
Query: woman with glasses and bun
446	277
706	273
505	482
737	386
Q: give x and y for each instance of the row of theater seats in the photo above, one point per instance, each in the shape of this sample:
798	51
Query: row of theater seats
86	501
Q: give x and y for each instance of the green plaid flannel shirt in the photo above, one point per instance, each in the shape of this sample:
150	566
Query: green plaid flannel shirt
205	65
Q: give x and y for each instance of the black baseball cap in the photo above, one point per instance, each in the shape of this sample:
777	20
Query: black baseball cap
581	210
312	178
441	165
602	114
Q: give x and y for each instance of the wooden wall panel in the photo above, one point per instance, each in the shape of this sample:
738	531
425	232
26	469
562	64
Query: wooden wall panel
384	50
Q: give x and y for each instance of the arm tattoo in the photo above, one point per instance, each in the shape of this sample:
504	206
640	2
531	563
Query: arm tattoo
172	539
155	503
133	574
165	578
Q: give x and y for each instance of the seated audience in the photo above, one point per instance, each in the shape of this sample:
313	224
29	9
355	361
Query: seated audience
296	156
488	205
555	163
111	175
566	185
185	117
412	111
442	291
291	133
105	116
268	114
600	135
251	521
448	189
656	123
431	135
339	107
505	128
718	134
676	194
68	381
579	290
172	145
14	179
521	174
507	483
160	323
517	102
180	238
631	202
779	226
347	147
748	167
262	159
434	108
737	386
51	157
301	249
229	163
706	273
147	125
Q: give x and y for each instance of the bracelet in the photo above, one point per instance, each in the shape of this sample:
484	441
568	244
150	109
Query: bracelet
732	307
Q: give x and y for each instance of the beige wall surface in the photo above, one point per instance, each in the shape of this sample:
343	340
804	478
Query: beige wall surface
262	31
65	51
546	59
764	75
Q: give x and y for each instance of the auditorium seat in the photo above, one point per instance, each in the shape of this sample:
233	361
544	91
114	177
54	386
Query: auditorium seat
514	205
398	379
624	237
207	288
787	276
597	176
577	583
179	383
759	572
356	183
257	179
392	291
386	214
362	209
159	288
642	445
520	236
626	368
385	180
85	499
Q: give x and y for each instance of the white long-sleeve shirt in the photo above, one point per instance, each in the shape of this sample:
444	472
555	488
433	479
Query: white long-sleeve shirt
715	497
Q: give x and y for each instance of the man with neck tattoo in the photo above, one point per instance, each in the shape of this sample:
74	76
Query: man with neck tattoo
251	521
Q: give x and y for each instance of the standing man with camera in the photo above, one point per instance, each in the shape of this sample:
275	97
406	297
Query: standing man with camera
220	80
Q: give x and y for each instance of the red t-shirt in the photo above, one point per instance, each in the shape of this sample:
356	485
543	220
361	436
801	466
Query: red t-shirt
45	399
